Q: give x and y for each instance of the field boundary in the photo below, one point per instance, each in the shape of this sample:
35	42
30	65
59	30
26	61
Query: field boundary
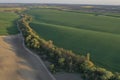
33	54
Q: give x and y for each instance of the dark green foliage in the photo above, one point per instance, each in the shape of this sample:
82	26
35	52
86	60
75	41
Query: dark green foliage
52	68
62	59
116	76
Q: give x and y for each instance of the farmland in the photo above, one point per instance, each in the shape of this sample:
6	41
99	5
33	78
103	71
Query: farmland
11	9
81	33
7	23
16	62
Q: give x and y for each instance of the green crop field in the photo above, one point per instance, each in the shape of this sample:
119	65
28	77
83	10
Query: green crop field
81	33
7	23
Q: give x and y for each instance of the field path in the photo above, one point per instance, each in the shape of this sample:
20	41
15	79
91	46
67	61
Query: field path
18	63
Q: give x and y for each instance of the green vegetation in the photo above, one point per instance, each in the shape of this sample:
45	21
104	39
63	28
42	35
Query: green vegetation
77	20
7	23
61	58
81	33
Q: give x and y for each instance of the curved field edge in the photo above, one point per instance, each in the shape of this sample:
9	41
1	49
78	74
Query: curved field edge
100	45
82	33
7	23
81	64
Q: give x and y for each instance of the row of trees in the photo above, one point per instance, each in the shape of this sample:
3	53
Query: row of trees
62	59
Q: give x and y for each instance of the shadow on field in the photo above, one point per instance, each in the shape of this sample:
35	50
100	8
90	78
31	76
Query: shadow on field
12	29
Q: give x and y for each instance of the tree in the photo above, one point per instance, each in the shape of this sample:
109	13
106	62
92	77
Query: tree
102	74
35	43
116	76
61	61
52	68
88	57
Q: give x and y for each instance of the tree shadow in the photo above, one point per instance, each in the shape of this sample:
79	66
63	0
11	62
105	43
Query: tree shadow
12	29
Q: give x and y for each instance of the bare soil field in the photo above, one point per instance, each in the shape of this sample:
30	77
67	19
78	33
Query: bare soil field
16	63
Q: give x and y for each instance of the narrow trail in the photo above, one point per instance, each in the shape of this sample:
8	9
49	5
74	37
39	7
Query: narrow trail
18	63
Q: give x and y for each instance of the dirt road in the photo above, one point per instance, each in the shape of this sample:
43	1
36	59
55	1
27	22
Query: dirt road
17	63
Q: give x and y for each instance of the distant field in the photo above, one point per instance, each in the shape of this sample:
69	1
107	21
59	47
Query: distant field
12	9
7	23
82	33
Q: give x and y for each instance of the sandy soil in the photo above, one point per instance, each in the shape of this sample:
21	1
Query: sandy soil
16	63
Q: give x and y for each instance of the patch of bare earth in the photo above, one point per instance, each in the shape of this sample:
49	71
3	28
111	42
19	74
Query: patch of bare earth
13	67
16	63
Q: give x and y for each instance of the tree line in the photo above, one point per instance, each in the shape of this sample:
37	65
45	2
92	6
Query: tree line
60	58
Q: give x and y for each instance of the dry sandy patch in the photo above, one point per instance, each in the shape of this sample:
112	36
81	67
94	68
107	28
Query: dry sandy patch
16	63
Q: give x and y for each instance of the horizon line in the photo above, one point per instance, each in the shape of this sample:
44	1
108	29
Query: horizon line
58	3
